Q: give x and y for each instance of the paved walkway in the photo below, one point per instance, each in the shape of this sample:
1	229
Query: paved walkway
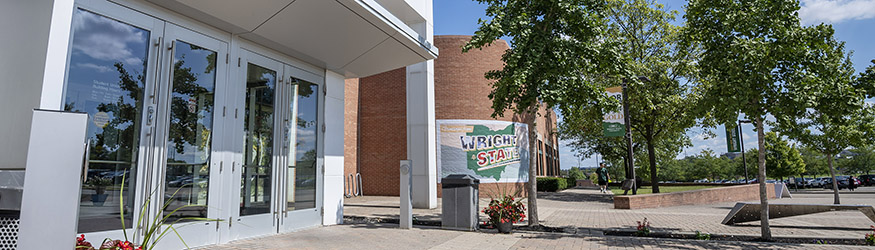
389	237
584	214
584	209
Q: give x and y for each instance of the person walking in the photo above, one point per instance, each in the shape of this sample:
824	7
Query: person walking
603	177
852	183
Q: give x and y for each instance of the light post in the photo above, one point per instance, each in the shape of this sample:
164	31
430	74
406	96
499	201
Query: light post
743	161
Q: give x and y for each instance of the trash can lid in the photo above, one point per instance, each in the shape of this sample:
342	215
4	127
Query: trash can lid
462	179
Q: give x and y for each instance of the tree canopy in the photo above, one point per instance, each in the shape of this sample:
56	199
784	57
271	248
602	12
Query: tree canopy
782	159
751	53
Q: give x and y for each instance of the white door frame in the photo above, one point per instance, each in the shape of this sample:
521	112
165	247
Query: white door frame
305	218
261	224
196	233
147	132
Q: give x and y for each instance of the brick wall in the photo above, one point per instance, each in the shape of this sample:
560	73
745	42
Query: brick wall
738	193
461	92
382	134
350	128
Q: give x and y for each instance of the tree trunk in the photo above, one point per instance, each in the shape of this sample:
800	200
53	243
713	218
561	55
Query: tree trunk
761	178
835	183
651	156
533	165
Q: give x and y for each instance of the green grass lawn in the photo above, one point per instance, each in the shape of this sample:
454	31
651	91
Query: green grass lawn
647	190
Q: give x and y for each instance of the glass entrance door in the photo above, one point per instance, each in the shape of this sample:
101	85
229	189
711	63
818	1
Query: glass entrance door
188	168
280	176
152	91
301	174
111	74
258	100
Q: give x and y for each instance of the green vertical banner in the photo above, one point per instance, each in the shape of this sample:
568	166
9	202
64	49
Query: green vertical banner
733	142
613	124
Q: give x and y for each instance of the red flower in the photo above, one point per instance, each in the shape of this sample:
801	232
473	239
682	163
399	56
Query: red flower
126	245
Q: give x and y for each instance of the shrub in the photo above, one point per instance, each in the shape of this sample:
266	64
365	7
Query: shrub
551	184
703	236
570	182
870	237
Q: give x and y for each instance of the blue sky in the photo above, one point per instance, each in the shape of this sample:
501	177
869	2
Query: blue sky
852	19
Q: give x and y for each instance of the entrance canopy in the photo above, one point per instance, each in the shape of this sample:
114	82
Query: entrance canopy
357	38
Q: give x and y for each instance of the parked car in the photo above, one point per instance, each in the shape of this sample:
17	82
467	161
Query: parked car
842	182
867	179
798	182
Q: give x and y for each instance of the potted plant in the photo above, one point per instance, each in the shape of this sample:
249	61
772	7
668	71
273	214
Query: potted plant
503	212
99	185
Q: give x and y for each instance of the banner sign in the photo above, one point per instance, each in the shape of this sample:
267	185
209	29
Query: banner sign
733	143
492	151
614	124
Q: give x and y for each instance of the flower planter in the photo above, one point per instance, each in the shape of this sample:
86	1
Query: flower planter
98	199
505	227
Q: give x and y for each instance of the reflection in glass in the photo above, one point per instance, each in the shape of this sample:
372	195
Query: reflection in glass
191	122
106	79
258	122
302	157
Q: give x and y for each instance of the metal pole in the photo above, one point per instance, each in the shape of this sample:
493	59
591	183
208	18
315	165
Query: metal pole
743	161
630	162
405	220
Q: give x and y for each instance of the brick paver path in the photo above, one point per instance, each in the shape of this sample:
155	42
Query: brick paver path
584	209
584	214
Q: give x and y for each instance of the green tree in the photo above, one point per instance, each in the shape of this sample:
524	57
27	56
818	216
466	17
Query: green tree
576	173
647	42
749	51
555	45
782	159
832	114
815	162
862	160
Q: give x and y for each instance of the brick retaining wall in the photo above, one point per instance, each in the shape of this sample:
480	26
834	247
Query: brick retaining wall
748	192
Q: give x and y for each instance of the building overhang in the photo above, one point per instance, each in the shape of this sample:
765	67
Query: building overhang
356	38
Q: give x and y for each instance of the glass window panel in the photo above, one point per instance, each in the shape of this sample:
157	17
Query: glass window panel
302	160
105	79
258	120
190	136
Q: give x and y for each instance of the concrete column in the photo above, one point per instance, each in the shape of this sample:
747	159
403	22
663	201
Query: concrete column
333	185
420	119
421	133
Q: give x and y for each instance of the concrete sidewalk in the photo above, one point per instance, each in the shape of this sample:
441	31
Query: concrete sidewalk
389	237
584	214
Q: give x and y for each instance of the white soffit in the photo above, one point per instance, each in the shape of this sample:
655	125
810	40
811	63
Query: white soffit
354	37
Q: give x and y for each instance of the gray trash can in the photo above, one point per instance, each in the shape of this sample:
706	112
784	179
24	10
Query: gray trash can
460	202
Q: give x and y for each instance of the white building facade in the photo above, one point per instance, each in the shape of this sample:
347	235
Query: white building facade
223	117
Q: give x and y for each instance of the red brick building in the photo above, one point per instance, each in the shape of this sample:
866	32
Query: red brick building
375	126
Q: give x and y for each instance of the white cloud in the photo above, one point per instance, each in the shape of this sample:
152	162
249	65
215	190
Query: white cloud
105	39
836	11
95	67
